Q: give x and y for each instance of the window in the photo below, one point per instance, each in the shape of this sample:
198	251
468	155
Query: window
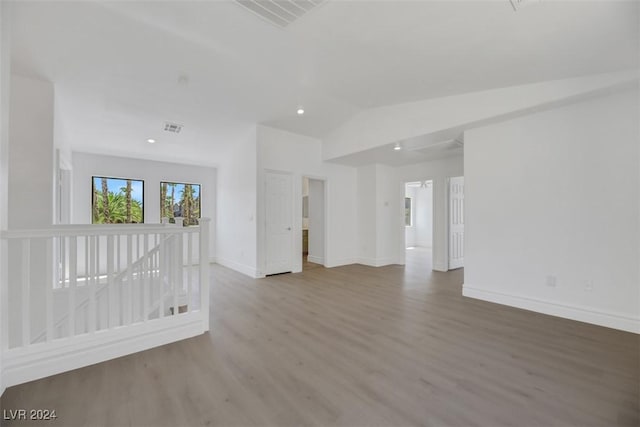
117	200
407	211
180	200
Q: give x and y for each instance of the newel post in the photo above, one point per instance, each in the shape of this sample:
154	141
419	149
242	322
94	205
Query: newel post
204	270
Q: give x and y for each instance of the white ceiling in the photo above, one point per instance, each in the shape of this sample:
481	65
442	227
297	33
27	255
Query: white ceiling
117	66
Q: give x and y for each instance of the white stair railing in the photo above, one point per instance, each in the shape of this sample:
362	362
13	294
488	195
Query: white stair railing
83	294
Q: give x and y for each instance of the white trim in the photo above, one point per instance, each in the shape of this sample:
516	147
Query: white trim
376	262
239	267
40	360
341	262
581	314
315	259
441	267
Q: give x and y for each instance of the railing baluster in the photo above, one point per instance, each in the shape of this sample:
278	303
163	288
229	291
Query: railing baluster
204	272
26	292
92	284
176	272
110	290
48	288
73	283
63	261
86	261
120	285
145	271
128	293
162	263
189	270
96	286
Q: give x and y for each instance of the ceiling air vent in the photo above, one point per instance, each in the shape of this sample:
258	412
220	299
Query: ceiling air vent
172	127
279	12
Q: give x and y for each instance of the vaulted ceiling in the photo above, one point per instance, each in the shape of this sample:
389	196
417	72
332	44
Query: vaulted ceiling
121	69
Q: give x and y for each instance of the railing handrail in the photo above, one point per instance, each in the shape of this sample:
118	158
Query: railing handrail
98	230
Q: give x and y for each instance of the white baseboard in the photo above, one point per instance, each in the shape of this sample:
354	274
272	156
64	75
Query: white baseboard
377	262
42	360
315	259
582	314
340	262
240	268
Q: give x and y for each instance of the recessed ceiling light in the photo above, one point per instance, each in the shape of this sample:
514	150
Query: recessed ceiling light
300	111
151	141
397	146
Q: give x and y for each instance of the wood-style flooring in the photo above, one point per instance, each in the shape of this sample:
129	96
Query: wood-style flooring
357	346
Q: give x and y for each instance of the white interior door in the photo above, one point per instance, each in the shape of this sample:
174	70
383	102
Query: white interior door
279	222
456	222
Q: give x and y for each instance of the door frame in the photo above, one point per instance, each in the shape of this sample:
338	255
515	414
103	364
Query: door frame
403	239
325	236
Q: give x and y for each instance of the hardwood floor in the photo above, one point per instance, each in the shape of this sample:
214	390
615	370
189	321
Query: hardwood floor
357	346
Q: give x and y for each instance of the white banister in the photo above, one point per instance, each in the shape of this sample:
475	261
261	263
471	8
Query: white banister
120	284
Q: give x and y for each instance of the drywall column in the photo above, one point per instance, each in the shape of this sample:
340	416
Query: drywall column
31	153
316	221
5	70
380	198
236	230
366	202
388	216
441	224
31	188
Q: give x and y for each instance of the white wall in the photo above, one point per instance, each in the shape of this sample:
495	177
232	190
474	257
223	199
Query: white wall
423	217
556	194
438	171
389	243
316	221
5	71
301	156
366	205
86	165
236	220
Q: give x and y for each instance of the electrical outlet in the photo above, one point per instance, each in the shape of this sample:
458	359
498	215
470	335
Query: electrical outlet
588	285
551	281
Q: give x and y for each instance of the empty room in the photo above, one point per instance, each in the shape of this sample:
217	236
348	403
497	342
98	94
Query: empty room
320	212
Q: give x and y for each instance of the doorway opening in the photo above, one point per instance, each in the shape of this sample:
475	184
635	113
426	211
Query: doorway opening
313	223
418	221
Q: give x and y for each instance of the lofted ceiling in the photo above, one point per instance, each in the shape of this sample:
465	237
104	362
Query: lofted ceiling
122	69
